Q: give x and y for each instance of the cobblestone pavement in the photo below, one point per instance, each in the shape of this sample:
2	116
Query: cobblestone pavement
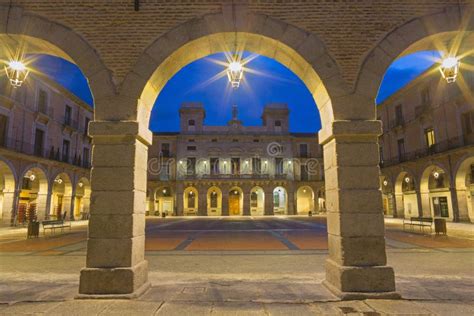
268	266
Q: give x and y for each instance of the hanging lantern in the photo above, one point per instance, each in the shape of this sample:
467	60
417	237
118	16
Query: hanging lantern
16	72
235	72
449	69
81	184
407	179
32	177
436	174
58	180
385	182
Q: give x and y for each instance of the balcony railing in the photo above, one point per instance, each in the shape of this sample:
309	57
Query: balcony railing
44	109
40	151
67	121
449	144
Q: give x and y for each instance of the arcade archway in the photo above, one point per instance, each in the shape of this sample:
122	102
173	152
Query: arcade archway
82	199
33	196
280	201
305	200
257	201
7	192
236	201
214	201
465	189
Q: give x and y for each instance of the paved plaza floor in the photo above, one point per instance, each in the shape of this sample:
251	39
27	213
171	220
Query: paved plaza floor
267	266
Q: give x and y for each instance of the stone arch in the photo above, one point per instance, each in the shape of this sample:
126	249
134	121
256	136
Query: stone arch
33	186
435	195
388	196
236	201
407	194
191	201
61	195
163	199
302	52
280	200
464	181
214	201
421	33
82	198
8	181
257	201
42	36
305	200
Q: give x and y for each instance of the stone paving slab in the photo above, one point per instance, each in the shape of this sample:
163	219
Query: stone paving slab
180	308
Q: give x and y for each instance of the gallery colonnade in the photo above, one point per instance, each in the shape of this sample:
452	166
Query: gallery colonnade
34	192
231	200
115	265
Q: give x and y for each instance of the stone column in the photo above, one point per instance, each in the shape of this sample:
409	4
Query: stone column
394	203
291	202
419	204
115	264
356	267
246	201
457	215
225	203
399	205
43	205
202	202
7	207
179	200
268	209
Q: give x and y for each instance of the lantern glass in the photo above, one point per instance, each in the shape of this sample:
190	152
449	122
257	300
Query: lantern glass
235	73
16	72
449	69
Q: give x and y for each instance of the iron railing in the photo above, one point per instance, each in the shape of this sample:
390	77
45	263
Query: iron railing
449	144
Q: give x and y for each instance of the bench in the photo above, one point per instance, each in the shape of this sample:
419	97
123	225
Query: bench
55	224
422	222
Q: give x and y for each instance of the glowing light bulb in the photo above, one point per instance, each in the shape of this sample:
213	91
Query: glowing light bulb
16	72
235	72
449	68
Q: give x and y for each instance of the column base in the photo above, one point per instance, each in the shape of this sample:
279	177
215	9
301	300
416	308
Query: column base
114	283
357	283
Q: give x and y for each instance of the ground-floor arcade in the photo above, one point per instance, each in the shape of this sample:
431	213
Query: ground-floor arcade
38	189
439	186
227	198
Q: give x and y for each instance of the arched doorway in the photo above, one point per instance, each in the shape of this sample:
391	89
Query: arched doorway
33	196
61	195
257	201
406	195
236	204
82	199
305	200
164	202
465	189
214	201
434	192
7	192
388	197
280	201
190	196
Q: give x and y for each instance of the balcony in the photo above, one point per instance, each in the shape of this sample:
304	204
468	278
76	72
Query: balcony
70	125
422	110
449	144
44	113
39	151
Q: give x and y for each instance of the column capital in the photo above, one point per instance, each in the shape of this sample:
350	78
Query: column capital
116	131
351	131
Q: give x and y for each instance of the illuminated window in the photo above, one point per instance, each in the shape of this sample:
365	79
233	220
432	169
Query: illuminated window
430	137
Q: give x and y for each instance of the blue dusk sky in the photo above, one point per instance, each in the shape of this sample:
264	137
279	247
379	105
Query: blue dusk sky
272	82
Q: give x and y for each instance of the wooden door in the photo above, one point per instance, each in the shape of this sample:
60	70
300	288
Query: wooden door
234	204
